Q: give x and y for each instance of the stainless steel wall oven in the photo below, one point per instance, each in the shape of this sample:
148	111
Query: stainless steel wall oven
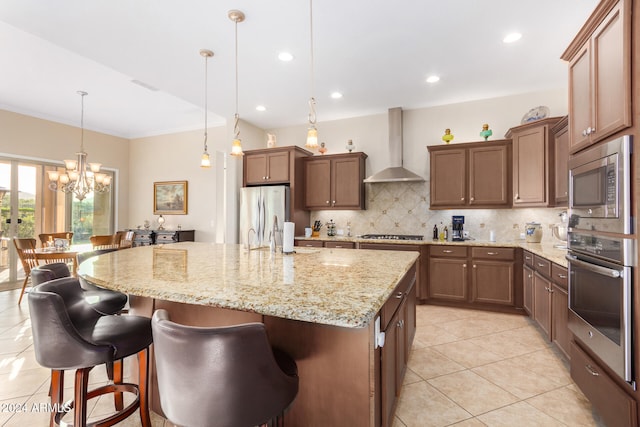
602	253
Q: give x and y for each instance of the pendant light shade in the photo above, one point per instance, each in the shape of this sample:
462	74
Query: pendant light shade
312	132
205	161
236	146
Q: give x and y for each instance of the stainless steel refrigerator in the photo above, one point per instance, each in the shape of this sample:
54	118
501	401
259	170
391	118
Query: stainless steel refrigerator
258	207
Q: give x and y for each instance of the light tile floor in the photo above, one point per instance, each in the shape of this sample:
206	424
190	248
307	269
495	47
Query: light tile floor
466	368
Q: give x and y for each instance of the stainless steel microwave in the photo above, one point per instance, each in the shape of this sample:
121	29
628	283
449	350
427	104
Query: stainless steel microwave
600	188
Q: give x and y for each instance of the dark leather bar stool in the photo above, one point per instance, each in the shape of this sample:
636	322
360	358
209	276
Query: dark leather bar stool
69	334
222	376
104	301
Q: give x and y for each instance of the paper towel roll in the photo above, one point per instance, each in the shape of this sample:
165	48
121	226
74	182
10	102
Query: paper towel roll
287	237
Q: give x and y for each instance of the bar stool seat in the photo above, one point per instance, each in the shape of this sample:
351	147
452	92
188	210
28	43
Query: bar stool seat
69	334
223	376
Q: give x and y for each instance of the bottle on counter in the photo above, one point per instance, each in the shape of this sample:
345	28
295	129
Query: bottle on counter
435	232
441	234
446	233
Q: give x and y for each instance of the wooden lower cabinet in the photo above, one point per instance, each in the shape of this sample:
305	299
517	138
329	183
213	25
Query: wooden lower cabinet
490	282
611	402
560	334
399	333
527	289
542	303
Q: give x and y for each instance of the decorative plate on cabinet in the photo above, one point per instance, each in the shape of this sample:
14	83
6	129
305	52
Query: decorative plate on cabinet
534	114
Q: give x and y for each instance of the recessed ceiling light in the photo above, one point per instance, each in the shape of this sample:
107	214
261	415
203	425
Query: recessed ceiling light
261	108
432	79
513	37
336	95
285	56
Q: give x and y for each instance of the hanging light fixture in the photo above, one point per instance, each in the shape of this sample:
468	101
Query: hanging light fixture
236	148
205	161
77	179
312	132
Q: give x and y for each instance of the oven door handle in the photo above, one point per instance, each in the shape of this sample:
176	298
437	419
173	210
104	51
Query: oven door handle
604	271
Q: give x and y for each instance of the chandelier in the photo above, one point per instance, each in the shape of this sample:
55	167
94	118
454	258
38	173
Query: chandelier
76	179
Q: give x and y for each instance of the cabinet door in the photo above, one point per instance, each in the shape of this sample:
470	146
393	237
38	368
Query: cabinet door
542	303
448	279
278	167
389	361
346	183
560	333
529	167
527	283
255	169
489	176
492	282
580	99
317	183
561	159
448	178
611	76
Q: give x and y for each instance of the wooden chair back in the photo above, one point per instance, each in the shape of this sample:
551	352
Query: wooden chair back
126	239
104	241
26	251
45	237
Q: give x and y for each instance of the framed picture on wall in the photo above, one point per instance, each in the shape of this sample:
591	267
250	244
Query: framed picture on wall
170	198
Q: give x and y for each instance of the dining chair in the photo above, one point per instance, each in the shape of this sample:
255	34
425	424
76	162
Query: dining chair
45	237
26	251
104	241
126	241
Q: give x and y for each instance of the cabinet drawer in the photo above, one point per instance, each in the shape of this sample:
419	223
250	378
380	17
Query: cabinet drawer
339	245
164	238
542	266
615	406
309	243
448	251
528	258
559	276
504	254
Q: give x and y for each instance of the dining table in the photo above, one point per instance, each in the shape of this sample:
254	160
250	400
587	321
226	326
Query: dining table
69	256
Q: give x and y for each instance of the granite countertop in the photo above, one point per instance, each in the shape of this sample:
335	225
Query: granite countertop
339	287
545	250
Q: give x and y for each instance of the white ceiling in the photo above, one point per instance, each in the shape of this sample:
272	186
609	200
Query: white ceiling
376	52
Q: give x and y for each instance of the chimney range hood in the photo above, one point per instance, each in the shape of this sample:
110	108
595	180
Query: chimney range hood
395	173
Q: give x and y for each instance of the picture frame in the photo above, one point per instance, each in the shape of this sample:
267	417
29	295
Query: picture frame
170	198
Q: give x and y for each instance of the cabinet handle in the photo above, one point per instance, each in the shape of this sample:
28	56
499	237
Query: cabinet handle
474	266
562	276
309	246
464	265
462	199
584	132
540	265
400	324
446	251
529	276
473	198
327	202
399	295
592	371
516	197
492	253
264	178
333	203
338	246
527	257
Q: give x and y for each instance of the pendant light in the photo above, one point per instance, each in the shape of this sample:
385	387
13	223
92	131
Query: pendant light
236	148
312	132
205	161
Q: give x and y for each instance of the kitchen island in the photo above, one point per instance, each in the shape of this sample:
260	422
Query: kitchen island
319	305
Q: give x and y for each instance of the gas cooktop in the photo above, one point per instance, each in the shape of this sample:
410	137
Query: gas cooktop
391	236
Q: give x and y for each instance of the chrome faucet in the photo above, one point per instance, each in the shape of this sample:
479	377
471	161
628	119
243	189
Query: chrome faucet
249	237
274	232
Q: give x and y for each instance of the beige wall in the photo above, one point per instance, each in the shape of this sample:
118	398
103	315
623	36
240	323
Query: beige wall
38	139
213	193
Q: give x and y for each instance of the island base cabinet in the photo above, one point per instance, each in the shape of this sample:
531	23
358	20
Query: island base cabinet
613	405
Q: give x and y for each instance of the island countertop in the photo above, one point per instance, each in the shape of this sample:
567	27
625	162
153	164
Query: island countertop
339	287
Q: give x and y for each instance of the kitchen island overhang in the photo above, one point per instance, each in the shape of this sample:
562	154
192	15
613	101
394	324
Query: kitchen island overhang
319	305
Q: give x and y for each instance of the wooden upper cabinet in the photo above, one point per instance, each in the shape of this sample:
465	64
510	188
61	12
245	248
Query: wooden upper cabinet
335	181
561	162
470	175
533	162
271	165
600	75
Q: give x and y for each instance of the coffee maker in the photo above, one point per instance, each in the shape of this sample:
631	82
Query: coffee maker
457	223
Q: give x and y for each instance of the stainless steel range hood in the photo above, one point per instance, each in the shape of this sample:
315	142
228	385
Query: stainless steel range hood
395	173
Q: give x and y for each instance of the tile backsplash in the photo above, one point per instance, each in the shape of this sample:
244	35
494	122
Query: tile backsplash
403	208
